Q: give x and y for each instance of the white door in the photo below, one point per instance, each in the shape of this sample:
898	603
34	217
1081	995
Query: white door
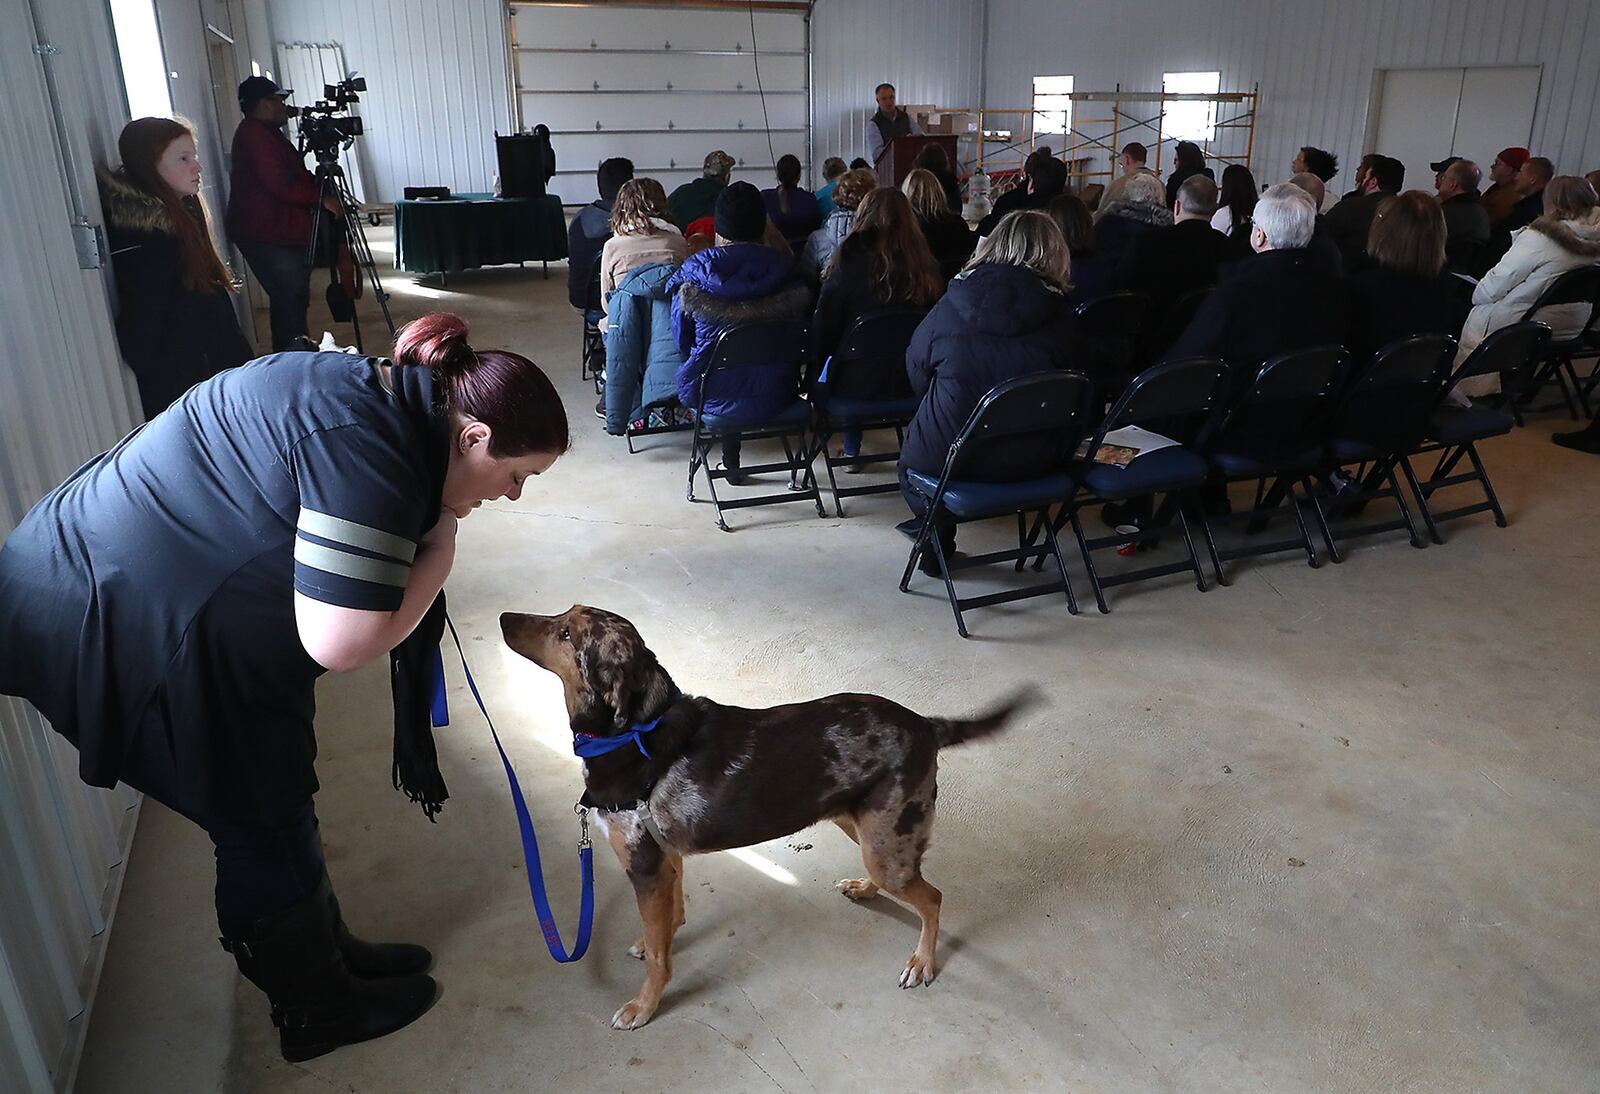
662	86
1425	114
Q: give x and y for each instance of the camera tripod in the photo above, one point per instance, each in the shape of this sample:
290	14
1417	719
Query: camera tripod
331	183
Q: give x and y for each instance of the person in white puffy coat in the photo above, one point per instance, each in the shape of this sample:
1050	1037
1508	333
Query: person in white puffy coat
1566	237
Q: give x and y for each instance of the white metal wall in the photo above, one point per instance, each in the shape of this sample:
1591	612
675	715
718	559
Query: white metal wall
1315	61
437	87
63	397
931	50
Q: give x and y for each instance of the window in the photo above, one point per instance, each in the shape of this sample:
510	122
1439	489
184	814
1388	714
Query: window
1190	121
144	67
1052	104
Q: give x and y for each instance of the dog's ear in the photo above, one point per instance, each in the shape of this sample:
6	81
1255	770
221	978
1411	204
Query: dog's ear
620	680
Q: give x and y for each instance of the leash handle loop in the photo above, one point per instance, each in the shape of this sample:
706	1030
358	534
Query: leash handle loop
530	841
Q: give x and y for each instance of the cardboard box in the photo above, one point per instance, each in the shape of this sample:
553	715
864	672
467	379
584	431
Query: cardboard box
945	123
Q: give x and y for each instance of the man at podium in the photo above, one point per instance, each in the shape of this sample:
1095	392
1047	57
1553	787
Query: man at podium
887	123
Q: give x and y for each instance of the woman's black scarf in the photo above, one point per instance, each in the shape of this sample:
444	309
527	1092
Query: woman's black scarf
412	662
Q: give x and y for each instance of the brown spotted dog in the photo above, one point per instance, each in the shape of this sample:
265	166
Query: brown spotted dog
719	777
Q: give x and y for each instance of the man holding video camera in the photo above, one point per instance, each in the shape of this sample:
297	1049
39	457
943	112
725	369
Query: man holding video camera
270	203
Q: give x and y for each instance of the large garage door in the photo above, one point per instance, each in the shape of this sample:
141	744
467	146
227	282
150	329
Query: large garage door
662	86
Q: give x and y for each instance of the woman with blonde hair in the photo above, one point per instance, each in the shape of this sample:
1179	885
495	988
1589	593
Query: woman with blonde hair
1404	289
853	186
175	320
641	235
1006	315
948	236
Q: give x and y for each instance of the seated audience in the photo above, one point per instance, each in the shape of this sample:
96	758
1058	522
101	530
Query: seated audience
589	230
642	353
697	199
947	235
1502	192
1321	247
1139	210
740	280
883	263
1187	159
1351	219
1005	316
932	158
641	235
1363	169
853	185
832	168
1092	276
1531	181
1166	263
1131	162
1281	299
860	164
1466	221
1235	202
1043	177
793	211
1566	237
1403	290
1322	164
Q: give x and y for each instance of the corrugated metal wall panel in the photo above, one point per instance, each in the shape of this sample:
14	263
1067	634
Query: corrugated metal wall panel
64	396
437	88
1314	61
929	49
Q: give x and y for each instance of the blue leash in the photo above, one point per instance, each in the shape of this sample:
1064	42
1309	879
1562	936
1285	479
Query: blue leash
530	842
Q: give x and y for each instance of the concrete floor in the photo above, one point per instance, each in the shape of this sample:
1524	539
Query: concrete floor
1323	830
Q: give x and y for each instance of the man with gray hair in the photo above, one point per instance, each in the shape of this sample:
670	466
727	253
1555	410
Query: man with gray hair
1466	221
1166	263
1278	300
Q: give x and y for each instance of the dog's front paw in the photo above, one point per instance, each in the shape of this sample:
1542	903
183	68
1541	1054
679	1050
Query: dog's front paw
858	888
919	971
632	1015
636	950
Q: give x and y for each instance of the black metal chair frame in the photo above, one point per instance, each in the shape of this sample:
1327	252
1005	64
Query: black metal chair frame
1378	481
1317	400
856	352
1132	311
762	344
594	341
1177	319
1050	390
1554	366
670	403
1480	362
1144	402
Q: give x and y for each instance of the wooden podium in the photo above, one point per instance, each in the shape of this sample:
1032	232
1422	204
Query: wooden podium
896	162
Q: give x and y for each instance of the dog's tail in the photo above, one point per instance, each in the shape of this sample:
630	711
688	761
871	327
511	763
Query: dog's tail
955	731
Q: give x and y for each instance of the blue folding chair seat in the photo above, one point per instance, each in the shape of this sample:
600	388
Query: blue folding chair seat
797	413
843	412
1152	473
1255	465
1453	426
971	500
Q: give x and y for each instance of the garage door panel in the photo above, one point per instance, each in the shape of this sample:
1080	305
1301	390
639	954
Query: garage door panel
653	72
681	110
584	151
654	28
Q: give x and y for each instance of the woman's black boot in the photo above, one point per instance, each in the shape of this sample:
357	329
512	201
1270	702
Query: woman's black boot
317	1004
1582	440
374	960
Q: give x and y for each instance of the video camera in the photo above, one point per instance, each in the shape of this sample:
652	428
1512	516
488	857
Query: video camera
327	125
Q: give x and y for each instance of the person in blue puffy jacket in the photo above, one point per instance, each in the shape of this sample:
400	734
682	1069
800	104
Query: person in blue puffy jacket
738	281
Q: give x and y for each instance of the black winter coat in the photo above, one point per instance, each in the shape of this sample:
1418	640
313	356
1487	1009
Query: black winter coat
951	242
1348	223
1168	262
994	324
1265	305
1386	306
848	294
171	336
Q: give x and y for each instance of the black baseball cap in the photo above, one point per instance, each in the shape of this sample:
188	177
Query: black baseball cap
1444	163
255	88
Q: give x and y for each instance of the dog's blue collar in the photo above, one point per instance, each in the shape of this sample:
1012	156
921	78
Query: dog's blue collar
589	745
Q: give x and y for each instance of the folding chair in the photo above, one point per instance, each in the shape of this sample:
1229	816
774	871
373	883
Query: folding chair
1554	365
1380	418
1454	431
1181	399
1276	430
1175	322
777	349
593	361
1047	413
1113	325
864	386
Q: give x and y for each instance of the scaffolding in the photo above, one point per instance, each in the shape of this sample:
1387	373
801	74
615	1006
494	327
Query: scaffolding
1006	135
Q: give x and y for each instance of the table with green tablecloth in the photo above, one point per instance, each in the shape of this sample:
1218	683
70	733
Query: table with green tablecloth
466	231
